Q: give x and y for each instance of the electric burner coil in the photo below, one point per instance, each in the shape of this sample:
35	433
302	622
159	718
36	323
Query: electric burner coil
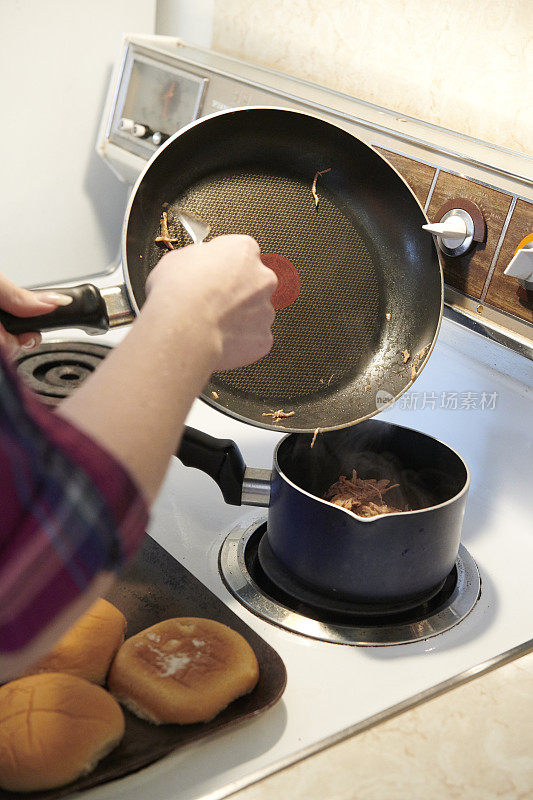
54	370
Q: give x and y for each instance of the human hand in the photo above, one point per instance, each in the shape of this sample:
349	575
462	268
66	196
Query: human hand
23	303
228	289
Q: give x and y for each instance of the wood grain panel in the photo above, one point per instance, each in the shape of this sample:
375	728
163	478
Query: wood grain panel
468	272
504	292
417	174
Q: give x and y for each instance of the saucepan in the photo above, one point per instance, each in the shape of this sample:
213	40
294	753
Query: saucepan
363	280
389	562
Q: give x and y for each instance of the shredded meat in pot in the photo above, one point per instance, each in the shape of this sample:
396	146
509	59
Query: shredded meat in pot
364	497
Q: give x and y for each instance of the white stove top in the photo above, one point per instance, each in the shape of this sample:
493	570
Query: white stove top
334	690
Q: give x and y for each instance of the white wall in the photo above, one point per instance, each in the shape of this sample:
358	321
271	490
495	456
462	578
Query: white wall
466	65
61	208
190	20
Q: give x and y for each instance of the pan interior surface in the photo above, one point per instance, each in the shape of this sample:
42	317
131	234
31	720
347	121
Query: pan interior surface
369	288
318	344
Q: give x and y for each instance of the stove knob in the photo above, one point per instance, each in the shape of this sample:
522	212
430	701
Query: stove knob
158	138
455	232
521	264
126	125
460	224
141	131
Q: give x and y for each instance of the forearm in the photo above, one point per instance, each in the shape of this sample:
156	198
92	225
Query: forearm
136	403
71	517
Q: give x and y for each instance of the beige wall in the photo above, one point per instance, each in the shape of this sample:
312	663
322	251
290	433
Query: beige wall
464	64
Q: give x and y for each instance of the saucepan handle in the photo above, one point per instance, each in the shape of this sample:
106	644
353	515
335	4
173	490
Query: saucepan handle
87	311
221	459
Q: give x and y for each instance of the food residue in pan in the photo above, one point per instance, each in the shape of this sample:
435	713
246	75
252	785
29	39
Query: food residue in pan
417	361
164	235
315	434
388	317
406	355
215	395
278	415
367	387
313	187
364	497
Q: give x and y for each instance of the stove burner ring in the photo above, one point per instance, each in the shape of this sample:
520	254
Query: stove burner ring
241	570
54	370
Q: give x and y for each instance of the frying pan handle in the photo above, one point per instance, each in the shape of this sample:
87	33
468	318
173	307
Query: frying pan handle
221	459
87	311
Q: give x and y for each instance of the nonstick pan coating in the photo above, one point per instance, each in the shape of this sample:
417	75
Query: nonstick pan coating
371	277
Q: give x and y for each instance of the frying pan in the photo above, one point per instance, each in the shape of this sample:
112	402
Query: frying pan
312	193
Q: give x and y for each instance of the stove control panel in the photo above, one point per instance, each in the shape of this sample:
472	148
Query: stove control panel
154	99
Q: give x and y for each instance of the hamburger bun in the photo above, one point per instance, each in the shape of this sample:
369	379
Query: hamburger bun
87	649
54	728
183	670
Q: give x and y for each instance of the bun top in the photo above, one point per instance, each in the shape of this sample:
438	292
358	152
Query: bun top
183	670
199	647
88	647
53	728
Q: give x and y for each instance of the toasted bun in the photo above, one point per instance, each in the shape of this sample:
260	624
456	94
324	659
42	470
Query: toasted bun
54	728
183	670
87	649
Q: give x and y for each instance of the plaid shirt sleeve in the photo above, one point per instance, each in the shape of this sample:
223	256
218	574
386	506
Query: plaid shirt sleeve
68	511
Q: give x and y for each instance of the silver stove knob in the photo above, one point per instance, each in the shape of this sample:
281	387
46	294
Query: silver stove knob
455	232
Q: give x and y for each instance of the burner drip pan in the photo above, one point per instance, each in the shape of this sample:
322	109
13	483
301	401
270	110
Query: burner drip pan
258	580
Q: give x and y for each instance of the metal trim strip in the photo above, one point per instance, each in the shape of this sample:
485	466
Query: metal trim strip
449	171
489	329
497	250
431	188
351	118
383	716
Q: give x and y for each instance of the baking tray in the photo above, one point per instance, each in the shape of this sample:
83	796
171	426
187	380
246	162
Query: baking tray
156	587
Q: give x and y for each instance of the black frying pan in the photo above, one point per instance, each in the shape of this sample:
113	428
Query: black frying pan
371	280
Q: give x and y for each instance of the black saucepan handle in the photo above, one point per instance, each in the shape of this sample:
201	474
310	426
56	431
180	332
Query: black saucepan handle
87	311
221	459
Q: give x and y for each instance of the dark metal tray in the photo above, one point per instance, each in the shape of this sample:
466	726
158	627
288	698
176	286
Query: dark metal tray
156	587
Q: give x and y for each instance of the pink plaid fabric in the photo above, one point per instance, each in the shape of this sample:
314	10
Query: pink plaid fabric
68	511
